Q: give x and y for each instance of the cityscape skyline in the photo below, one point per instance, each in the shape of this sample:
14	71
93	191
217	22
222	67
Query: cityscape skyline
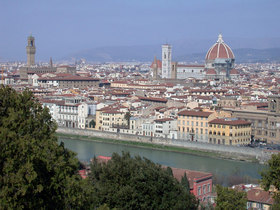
64	28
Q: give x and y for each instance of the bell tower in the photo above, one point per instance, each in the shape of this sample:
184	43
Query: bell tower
166	61
30	51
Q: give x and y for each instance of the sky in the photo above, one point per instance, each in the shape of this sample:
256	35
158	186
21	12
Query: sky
62	27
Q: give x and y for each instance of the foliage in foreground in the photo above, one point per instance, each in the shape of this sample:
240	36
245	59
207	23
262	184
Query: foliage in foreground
35	172
230	199
135	183
271	177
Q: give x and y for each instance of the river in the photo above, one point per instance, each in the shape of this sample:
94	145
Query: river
226	172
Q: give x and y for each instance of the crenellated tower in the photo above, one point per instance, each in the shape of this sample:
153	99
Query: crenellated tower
30	51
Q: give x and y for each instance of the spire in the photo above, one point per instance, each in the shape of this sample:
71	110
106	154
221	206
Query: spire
155	62
220	38
51	63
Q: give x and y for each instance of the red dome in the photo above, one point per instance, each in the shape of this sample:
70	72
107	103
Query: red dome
219	50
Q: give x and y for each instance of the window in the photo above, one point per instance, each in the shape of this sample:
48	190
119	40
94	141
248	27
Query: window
199	191
196	123
201	124
204	189
201	131
208	186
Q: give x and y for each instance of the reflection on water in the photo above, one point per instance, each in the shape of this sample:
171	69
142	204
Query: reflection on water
225	171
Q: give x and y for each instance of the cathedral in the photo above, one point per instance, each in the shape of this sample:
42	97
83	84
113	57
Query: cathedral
219	62
219	65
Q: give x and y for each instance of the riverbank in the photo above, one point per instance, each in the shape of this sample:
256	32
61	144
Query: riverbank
198	152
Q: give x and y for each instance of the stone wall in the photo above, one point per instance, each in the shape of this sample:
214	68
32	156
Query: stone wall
227	151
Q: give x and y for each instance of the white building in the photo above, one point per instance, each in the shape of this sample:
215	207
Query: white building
165	128
72	115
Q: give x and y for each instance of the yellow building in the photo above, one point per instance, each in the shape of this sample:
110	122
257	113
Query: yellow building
193	124
110	120
229	131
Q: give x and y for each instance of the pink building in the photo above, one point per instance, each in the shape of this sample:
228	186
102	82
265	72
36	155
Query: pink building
200	182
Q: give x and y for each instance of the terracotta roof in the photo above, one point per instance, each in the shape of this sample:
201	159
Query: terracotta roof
234	71
112	112
159	64
152	99
163	120
260	196
230	122
195	113
219	50
193	176
211	72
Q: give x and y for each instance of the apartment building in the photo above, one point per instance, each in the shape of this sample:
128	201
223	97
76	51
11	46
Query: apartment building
265	123
193	125
110	120
229	131
71	115
165	128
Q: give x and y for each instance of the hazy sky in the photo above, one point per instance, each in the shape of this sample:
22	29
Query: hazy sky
61	27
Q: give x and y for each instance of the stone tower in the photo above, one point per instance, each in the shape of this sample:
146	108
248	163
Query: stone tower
166	61
30	51
274	104
155	68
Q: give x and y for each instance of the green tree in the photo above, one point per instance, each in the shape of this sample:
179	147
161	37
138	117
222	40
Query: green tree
185	182
169	171
125	182
92	124
35	172
271	177
230	199
127	116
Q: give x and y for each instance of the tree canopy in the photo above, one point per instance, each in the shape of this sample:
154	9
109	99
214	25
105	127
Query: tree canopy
35	172
185	182
127	182
271	177
230	199
38	173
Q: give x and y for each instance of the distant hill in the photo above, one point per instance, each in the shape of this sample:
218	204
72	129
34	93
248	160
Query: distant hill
147	53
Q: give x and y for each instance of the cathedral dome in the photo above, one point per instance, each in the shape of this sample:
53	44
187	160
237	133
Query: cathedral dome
219	50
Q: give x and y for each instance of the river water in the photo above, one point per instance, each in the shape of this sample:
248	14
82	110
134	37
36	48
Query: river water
226	172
